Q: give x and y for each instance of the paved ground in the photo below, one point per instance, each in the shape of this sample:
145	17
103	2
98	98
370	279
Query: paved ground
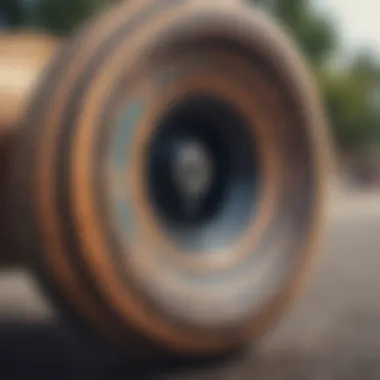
332	333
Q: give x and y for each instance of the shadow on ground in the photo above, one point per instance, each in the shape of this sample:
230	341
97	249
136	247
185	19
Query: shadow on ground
43	351
51	351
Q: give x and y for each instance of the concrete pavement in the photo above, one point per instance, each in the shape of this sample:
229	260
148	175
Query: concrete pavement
333	332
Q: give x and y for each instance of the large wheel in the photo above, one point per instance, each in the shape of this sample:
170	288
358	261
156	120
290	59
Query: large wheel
171	177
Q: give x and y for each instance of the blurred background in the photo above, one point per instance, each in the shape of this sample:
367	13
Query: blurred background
340	38
334	331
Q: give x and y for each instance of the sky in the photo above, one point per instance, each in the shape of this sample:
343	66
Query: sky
358	21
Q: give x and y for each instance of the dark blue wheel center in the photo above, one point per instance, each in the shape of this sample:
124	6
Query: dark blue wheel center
203	170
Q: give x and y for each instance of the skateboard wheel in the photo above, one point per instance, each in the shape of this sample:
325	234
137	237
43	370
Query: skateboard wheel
171	177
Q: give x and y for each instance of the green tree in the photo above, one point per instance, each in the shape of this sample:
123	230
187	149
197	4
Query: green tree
351	93
62	16
354	119
55	16
13	12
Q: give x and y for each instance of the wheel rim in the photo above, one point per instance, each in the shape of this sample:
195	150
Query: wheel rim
130	290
